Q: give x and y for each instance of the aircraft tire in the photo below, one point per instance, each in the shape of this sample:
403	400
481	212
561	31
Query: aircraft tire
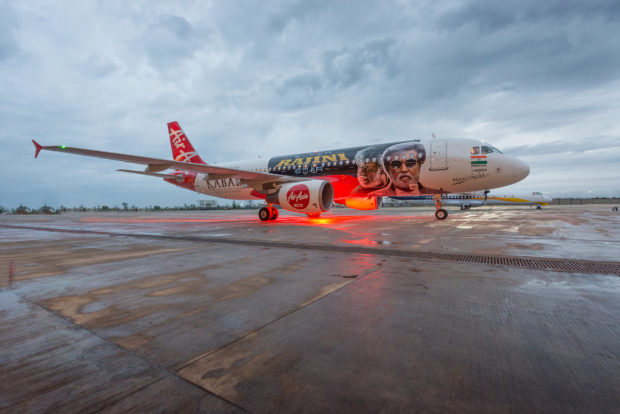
441	214
274	213
264	214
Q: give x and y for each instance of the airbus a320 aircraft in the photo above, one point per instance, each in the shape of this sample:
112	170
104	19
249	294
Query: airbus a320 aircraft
310	183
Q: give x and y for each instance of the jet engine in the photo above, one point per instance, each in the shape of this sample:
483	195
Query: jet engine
309	197
364	203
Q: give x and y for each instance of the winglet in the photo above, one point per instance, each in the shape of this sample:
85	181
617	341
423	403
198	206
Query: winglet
37	147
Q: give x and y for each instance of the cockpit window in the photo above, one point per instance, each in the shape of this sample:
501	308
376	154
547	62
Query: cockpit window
487	149
475	150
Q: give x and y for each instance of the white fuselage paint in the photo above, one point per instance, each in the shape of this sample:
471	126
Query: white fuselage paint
231	188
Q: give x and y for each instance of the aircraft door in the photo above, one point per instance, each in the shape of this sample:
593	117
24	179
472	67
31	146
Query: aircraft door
439	156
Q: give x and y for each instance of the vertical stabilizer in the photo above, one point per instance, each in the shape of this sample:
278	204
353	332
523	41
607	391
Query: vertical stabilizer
182	149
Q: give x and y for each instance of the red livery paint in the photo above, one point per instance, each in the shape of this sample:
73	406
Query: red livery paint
182	149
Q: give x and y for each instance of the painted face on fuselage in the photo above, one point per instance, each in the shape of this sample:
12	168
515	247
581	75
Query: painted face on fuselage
404	169
402	162
370	175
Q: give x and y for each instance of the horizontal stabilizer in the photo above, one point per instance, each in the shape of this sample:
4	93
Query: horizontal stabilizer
37	148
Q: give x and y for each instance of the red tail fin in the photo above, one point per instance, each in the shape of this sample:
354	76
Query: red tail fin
182	149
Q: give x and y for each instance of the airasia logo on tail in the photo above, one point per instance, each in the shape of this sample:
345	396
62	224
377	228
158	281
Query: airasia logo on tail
177	137
298	196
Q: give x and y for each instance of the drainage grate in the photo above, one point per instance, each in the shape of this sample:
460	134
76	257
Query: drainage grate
558	265
522	262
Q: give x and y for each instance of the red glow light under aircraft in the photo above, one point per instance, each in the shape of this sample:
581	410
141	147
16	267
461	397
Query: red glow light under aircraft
295	220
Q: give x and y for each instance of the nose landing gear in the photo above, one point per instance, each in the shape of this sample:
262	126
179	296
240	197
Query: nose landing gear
268	213
440	213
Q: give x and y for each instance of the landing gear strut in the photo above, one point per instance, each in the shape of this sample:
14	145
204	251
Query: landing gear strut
268	213
440	213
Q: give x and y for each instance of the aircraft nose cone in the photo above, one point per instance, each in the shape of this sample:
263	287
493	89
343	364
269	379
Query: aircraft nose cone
518	170
522	170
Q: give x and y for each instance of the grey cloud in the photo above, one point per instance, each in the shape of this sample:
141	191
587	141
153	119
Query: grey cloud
98	66
351	65
486	16
339	69
563	9
8	25
168	40
176	25
533	45
610	143
490	16
297	11
301	90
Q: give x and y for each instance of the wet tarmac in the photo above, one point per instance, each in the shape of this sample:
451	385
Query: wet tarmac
387	311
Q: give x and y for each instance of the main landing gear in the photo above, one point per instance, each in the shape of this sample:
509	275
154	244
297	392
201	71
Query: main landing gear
440	213
268	213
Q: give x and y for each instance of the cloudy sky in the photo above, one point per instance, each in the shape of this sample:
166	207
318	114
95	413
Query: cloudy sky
538	79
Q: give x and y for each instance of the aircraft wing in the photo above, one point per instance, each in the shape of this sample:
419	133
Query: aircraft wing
158	164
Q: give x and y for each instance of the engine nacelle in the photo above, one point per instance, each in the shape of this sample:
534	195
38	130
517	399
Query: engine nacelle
309	197
364	203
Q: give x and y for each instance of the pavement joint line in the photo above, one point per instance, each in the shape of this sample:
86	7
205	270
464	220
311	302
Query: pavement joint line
523	262
126	396
265	325
153	364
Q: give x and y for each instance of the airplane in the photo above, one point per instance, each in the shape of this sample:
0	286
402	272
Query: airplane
467	200
310	183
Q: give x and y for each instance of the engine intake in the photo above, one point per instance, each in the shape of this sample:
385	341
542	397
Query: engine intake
310	197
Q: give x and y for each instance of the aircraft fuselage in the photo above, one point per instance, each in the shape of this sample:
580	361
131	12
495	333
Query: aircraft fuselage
447	166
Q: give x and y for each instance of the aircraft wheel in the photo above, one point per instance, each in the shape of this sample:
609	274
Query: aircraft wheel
264	214
274	213
538	207
441	214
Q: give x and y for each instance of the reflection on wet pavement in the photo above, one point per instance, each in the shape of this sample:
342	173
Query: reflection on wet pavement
217	311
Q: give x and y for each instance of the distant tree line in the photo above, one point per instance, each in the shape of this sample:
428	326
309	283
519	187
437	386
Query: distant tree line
125	207
594	200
